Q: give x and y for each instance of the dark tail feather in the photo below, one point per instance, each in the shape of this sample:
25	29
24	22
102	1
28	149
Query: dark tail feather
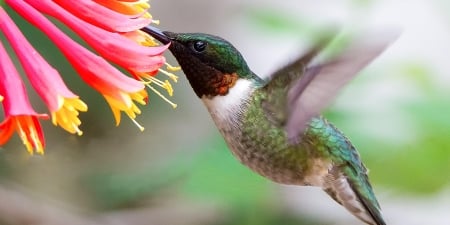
357	199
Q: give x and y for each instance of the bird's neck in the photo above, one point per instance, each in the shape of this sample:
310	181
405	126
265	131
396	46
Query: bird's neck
214	83
226	107
221	84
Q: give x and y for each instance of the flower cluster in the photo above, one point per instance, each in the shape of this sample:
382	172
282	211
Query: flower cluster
111	28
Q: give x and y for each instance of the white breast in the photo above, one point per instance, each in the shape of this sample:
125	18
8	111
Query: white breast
224	108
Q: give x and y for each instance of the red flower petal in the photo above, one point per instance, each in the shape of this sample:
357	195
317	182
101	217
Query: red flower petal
44	78
129	7
111	46
103	17
117	88
19	115
93	69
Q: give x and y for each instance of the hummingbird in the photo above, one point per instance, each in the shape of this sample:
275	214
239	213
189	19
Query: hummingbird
273	125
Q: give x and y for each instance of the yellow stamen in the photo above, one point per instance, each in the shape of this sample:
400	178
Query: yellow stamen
67	114
141	128
166	84
172	68
23	136
35	139
140	6
139	97
1	98
125	103
148	79
161	95
170	75
141	38
127	7
27	131
156	22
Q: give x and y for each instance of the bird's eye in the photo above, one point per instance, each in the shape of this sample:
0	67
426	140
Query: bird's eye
200	46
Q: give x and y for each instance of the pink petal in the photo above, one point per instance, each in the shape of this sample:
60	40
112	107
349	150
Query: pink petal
103	17
44	78
111	46
96	71
15	100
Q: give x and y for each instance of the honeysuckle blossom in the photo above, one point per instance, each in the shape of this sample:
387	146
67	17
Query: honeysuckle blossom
113	47
111	28
103	17
19	115
127	7
62	103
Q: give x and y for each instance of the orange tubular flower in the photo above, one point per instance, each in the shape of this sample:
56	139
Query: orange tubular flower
19	115
118	89
113	46
62	103
108	19
128	7
111	28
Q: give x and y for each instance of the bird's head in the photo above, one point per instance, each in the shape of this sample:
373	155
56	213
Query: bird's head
211	64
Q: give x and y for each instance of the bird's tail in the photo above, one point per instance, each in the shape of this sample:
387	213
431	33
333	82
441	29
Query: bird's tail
352	190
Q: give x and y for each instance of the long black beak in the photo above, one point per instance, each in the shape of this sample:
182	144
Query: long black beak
157	34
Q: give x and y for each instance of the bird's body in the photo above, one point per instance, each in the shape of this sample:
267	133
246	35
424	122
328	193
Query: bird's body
324	158
256	141
272	126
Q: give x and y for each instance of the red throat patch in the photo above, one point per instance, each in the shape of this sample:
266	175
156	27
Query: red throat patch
223	83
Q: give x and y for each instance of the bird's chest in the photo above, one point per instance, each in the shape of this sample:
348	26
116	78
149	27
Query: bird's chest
255	141
234	127
228	112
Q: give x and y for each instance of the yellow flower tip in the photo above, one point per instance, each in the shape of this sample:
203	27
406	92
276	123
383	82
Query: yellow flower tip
141	38
141	128
172	76
78	104
172	68
156	22
166	85
117	117
28	146
114	105
140	97
1	98
131	113
141	5
40	150
67	115
146	15
127	105
29	135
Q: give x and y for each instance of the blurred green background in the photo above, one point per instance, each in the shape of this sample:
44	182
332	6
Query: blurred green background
179	170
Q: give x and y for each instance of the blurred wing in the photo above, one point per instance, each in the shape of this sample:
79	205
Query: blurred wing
319	84
279	82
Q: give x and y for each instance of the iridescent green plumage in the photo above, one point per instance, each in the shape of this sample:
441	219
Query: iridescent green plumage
272	126
323	156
